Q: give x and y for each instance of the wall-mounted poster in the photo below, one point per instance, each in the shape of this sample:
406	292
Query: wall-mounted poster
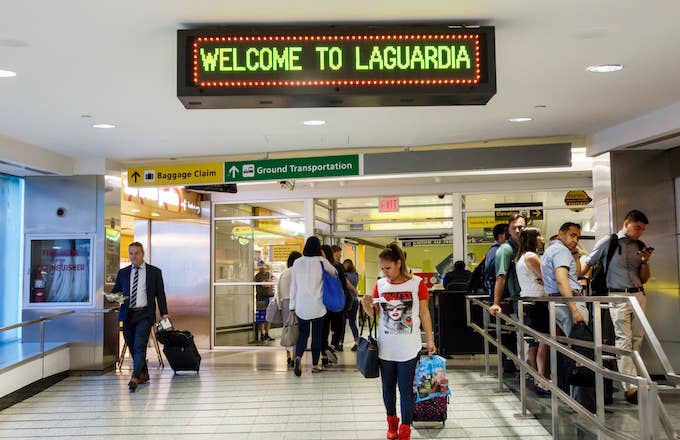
60	271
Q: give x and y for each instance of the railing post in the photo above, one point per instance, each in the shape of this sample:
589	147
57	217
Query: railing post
599	381
553	368
499	388
522	357
646	429
653	410
42	347
485	321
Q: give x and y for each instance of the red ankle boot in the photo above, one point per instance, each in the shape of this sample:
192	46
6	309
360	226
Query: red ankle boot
404	432
392	427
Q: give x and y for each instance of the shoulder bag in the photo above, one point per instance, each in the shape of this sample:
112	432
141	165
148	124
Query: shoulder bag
291	331
368	363
333	293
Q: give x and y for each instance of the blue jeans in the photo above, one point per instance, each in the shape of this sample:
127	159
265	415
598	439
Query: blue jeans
352	318
136	330
402	374
317	337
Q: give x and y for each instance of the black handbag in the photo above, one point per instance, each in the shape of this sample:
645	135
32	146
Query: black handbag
368	363
579	375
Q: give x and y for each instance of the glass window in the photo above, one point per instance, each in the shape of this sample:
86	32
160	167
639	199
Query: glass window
60	270
546	210
414	212
11	221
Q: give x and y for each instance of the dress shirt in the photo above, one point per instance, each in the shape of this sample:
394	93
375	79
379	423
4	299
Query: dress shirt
141	285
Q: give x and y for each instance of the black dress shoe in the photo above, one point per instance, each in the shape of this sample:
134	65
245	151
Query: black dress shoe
298	367
631	396
132	385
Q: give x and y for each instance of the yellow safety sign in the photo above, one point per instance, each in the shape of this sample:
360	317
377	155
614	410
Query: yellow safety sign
481	222
281	252
189	174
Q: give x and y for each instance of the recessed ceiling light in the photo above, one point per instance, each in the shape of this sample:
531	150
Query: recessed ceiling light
605	68
523	119
103	126
155	214
314	122
7	73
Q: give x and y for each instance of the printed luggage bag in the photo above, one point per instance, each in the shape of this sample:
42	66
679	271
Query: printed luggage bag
431	410
180	350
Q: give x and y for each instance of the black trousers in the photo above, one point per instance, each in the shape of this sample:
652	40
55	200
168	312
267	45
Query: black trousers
136	330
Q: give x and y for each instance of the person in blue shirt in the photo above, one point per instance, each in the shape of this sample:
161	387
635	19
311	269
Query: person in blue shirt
560	276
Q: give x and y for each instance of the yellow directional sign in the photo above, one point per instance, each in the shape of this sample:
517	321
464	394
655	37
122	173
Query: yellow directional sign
172	175
481	222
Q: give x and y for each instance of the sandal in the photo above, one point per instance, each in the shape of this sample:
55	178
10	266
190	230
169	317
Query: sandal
317	369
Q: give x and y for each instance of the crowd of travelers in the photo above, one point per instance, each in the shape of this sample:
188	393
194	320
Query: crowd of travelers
518	265
514	268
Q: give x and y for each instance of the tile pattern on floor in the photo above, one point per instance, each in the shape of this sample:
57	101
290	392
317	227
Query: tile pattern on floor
252	395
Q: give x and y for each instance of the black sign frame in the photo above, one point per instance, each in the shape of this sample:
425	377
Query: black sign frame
195	94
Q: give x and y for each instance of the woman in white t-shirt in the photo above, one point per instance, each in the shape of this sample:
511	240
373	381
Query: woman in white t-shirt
306	301
282	298
528	268
402	301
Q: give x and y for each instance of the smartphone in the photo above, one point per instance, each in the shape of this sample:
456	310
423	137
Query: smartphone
648	249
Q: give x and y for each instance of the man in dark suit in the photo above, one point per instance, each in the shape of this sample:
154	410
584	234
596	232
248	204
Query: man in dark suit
142	286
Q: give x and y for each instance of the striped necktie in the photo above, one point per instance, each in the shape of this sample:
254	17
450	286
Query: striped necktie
133	292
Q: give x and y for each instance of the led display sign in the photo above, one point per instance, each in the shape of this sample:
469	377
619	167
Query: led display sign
335	66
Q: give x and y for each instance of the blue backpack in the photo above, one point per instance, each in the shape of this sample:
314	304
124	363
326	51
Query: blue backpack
333	293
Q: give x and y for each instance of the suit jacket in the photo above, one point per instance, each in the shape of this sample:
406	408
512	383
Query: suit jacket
155	291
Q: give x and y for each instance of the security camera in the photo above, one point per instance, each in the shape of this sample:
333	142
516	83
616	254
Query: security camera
288	185
441	196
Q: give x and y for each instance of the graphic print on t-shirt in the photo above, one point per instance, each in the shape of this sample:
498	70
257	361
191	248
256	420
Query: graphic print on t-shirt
397	308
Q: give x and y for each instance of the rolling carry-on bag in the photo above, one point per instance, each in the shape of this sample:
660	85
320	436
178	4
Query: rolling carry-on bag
431	410
431	389
180	350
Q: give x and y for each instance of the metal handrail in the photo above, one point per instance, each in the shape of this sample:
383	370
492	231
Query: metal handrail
35	321
57	315
650	407
649	334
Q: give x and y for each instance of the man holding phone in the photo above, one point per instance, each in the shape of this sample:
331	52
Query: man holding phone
627	271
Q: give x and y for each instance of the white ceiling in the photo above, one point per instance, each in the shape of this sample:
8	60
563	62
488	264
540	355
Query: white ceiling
116	61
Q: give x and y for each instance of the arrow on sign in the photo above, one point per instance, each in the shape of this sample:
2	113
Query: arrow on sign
233	170
535	213
136	176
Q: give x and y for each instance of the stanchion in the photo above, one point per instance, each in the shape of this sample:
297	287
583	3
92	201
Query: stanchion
522	368
553	369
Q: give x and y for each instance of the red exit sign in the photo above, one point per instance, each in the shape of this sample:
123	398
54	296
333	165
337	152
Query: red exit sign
388	204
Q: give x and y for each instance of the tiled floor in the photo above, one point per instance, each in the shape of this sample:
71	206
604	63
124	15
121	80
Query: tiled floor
252	395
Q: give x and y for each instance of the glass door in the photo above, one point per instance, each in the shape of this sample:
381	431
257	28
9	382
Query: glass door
251	245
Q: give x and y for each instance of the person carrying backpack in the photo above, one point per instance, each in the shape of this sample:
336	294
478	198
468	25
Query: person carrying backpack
506	284
484	275
621	263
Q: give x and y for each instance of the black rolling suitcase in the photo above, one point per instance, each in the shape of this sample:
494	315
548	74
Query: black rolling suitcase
180	350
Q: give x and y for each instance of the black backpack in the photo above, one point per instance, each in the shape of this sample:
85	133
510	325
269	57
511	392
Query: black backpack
484	278
477	278
598	283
